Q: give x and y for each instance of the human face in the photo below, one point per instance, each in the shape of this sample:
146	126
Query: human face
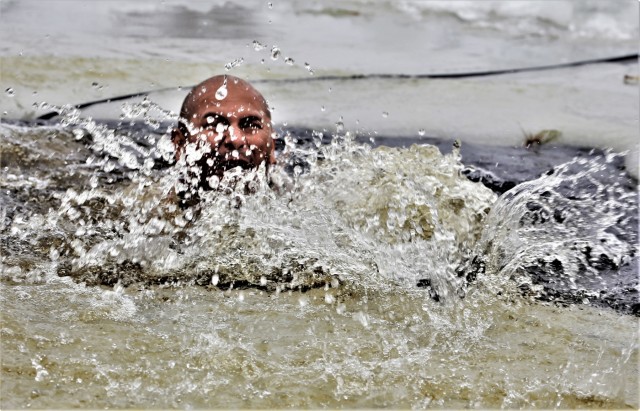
221	133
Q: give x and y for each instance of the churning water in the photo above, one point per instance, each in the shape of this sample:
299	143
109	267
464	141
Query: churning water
371	275
381	276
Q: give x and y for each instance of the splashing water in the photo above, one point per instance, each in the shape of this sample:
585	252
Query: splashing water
565	236
86	204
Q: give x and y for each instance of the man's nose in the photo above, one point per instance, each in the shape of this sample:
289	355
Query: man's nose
232	138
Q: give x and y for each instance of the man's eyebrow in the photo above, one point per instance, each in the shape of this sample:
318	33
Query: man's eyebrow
251	117
214	115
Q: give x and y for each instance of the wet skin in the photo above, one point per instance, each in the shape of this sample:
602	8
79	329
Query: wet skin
219	132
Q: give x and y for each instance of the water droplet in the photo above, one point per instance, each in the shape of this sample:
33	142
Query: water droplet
10	92
221	93
270	5
234	63
289	61
257	46
215	279
308	67
78	133
340	125
322	108
363	318
385	114
421	132
275	53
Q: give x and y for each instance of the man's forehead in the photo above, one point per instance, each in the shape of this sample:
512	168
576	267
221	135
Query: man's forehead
237	100
229	108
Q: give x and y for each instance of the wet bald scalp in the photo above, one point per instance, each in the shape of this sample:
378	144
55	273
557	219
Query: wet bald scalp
197	97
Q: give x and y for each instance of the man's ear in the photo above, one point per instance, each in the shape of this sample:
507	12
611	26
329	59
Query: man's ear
177	138
272	156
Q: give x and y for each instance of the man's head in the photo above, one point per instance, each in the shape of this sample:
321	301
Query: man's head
224	123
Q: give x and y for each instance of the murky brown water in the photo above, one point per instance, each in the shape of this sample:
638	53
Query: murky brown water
75	346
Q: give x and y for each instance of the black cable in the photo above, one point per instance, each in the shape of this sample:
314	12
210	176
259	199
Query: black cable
615	59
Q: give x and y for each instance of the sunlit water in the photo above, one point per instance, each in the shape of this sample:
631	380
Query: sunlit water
370	276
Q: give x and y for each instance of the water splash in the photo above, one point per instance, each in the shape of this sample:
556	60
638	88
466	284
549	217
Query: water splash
361	224
567	236
134	234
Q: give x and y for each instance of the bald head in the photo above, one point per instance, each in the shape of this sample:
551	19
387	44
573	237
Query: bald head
213	92
228	124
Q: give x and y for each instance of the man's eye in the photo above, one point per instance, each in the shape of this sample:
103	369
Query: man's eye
251	124
215	121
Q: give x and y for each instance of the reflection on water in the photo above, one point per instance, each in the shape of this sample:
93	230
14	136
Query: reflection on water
379	277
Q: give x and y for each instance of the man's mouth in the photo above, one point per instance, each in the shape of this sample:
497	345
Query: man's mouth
228	164
218	165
